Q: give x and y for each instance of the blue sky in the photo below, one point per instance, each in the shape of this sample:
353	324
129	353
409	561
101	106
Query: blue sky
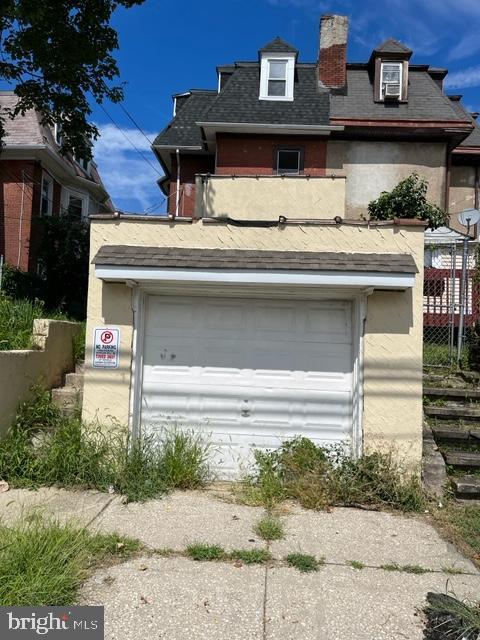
168	47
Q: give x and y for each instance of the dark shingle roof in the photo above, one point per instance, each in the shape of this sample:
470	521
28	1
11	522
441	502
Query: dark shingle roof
392	46
177	257
182	130
277	45
425	100
472	140
238	101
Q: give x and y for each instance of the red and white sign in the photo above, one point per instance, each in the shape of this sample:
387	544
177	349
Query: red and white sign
106	348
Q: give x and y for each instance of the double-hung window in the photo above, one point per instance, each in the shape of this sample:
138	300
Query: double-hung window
277	76
46	195
391	80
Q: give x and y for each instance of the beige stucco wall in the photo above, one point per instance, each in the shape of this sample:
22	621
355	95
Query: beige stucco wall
44	366
393	333
373	167
252	198
461	194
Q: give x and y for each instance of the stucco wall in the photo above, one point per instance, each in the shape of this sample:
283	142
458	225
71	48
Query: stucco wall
461	193
393	332
45	366
267	197
373	167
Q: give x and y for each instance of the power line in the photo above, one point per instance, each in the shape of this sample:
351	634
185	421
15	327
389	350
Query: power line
130	141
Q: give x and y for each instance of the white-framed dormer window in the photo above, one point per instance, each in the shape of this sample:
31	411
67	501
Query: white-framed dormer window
391	80
277	75
46	195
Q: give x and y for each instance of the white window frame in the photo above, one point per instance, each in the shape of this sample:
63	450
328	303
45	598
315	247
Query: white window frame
47	178
265	76
299	156
66	193
382	83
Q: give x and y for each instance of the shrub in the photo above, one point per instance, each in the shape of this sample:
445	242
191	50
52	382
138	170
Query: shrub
408	200
318	477
43	562
449	618
43	447
269	528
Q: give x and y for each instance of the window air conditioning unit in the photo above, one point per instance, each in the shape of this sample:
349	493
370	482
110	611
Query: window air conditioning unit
392	91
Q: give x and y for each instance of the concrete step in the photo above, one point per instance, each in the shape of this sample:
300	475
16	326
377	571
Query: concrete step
449	394
67	399
462	459
467	487
451	433
455	412
74	380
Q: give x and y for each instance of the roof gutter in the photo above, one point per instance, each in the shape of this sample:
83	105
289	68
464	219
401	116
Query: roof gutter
246	126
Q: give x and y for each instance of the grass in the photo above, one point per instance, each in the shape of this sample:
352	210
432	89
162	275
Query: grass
205	552
405	568
356	564
44	562
270	528
304	562
319	477
45	448
78	344
16	322
450	618
461	524
251	556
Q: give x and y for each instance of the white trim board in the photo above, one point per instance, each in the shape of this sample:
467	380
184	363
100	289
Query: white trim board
356	279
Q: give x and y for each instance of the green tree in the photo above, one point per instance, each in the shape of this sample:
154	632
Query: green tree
57	52
408	200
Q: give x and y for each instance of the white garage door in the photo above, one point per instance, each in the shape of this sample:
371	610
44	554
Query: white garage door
248	372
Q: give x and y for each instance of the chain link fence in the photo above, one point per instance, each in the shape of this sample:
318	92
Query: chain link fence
442	303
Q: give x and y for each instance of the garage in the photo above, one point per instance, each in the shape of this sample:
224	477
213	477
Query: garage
255	346
248	372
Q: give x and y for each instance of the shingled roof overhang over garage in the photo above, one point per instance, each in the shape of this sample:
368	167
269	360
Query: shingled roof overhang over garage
137	264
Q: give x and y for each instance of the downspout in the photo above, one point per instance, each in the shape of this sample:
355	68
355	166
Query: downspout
177	195
447	180
20	222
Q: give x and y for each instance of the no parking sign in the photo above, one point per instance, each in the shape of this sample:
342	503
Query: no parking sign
106	349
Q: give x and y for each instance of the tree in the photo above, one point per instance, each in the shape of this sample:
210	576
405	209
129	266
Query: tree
408	200
57	52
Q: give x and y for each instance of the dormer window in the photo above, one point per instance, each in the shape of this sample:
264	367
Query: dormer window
277	78
391	81
277	70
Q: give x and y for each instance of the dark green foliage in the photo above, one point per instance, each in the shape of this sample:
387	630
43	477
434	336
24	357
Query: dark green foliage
59	55
19	285
318	477
408	200
43	447
63	256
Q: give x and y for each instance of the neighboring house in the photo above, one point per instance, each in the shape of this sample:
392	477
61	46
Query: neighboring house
266	308
36	180
368	124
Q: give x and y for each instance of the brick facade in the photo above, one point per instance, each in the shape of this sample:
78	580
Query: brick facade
256	155
20	182
190	165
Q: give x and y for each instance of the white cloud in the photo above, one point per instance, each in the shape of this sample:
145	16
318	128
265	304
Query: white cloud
468	46
128	176
460	79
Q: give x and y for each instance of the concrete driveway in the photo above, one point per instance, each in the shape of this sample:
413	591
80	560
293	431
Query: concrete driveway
160	597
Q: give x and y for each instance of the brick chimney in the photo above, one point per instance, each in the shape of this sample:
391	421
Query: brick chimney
332	57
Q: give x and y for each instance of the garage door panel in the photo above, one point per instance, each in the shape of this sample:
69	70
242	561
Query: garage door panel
250	373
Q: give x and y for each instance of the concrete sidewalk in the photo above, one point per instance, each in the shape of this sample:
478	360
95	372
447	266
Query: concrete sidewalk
177	598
